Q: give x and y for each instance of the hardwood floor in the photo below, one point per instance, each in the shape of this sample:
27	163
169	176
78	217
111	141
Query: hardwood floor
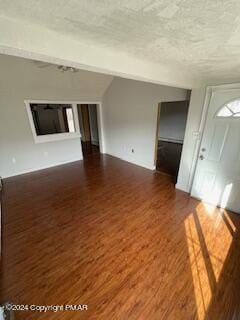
120	239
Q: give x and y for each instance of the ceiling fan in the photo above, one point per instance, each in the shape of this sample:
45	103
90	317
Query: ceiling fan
62	68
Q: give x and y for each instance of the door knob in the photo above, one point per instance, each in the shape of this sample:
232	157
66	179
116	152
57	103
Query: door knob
201	157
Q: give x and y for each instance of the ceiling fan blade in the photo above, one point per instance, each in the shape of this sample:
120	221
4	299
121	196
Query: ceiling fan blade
41	64
46	65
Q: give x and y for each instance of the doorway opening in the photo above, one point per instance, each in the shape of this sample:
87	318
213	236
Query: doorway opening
88	123
171	124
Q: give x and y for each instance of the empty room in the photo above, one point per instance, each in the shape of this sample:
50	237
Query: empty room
120	160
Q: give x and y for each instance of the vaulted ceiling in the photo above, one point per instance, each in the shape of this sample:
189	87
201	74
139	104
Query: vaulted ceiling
195	40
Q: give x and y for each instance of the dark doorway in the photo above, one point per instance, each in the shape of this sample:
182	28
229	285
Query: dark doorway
88	122
170	135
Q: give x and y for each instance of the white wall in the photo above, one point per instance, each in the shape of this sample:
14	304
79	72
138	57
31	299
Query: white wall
173	118
130	118
21	79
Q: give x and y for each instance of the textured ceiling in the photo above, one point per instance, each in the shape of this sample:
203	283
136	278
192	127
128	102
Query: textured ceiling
201	36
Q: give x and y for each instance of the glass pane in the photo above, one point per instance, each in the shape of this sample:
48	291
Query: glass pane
52	118
231	109
224	112
234	106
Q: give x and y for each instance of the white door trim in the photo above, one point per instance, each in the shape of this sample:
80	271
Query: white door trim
100	127
209	91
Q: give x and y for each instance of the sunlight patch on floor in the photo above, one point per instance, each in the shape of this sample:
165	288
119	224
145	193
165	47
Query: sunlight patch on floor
201	284
208	246
209	208
219	197
226	195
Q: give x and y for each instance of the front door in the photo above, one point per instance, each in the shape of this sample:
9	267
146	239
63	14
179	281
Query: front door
217	176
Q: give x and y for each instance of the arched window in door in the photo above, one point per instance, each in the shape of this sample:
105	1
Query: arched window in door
230	110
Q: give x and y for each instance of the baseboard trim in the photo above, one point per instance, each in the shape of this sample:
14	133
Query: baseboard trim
152	168
41	168
182	188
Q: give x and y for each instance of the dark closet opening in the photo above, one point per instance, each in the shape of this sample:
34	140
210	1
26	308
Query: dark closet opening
88	122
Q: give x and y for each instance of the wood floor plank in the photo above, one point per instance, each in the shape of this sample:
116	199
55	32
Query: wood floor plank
120	239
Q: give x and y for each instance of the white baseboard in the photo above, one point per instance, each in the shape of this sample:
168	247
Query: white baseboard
41	168
182	188
77	159
132	162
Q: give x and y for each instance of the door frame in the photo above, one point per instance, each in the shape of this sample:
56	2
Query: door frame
158	123
156	135
99	122
210	90
84	111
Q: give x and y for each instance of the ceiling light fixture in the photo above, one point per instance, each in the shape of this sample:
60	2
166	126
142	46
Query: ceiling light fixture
66	68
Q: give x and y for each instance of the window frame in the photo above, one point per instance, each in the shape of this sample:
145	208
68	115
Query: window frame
225	105
57	136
